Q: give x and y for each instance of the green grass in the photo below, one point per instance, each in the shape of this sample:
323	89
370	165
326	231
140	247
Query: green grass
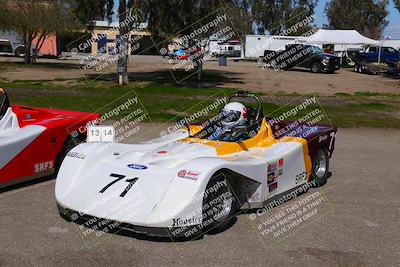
13	65
166	102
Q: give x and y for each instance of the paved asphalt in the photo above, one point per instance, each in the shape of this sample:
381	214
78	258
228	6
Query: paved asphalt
357	224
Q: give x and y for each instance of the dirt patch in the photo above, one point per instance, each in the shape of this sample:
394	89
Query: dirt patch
244	75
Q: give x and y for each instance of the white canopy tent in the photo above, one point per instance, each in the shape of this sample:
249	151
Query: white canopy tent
339	37
343	38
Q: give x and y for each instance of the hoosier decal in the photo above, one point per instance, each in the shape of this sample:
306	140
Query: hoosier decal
185	221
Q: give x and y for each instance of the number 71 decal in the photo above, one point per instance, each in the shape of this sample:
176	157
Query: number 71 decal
119	177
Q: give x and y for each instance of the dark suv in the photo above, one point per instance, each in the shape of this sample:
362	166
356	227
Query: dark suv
298	55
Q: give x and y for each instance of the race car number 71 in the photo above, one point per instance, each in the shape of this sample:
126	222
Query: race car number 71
119	178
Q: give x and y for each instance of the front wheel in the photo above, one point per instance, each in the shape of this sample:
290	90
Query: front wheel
316	67
20	51
68	146
219	204
320	166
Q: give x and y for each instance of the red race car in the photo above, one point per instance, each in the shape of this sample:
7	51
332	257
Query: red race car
34	141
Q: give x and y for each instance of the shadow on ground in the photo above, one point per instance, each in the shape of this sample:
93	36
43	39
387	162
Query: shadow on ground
210	78
50	65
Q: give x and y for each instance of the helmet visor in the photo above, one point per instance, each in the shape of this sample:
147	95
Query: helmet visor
230	116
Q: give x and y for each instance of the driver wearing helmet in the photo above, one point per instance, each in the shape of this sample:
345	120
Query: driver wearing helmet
232	127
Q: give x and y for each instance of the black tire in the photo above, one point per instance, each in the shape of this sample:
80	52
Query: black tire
220	205
69	144
20	51
320	166
316	67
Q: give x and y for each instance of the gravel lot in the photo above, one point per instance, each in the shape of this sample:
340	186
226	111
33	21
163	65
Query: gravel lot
358	224
244	75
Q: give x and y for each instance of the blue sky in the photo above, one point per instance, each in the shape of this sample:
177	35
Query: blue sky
393	29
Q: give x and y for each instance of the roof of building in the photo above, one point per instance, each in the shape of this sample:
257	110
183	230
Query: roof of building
115	24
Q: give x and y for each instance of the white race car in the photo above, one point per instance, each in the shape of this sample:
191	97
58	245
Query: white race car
184	183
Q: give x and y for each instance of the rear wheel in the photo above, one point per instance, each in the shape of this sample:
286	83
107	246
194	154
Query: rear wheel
316	67
320	166
219	204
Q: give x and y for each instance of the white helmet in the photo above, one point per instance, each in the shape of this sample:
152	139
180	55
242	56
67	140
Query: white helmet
234	114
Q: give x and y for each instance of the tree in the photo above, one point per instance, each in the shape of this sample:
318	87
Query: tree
88	11
278	16
177	18
35	20
91	10
123	44
397	3
365	16
239	11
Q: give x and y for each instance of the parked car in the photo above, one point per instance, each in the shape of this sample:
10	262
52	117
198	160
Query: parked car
34	141
179	54
387	54
10	49
298	55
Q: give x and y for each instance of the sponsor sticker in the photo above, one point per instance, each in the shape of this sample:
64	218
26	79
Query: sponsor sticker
185	221
44	166
162	152
76	155
137	166
273	187
323	138
271	177
187	174
272	167
280	163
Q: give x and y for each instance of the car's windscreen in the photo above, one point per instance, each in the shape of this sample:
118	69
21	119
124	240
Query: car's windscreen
210	125
317	50
4	104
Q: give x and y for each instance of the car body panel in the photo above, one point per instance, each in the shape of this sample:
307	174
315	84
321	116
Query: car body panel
32	138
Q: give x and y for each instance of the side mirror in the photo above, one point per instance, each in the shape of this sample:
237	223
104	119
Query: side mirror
4	103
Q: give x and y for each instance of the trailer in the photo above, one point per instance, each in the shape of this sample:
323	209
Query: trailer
255	45
377	60
231	48
375	68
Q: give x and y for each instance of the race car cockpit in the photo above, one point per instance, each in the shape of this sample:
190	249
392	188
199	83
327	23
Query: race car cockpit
236	122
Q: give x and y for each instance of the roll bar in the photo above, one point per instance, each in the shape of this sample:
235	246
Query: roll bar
248	95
